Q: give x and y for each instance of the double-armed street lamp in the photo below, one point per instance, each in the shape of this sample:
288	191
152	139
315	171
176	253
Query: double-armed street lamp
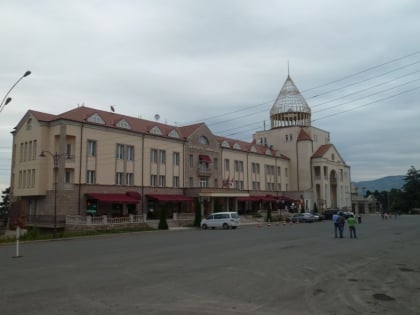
6	100
56	158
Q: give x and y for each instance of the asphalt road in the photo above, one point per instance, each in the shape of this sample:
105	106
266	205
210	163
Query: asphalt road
292	269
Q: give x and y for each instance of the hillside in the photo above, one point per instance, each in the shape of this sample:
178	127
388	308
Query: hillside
384	183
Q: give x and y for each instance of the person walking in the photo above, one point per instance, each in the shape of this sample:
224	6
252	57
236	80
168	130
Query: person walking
335	221
352	226
341	222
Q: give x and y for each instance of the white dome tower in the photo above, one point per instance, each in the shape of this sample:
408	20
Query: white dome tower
290	108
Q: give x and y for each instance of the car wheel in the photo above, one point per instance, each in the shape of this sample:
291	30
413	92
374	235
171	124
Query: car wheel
204	226
225	226
234	227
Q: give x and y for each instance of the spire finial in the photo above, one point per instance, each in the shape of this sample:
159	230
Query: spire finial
288	73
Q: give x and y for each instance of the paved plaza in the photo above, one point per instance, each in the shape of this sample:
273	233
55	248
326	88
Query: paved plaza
277	269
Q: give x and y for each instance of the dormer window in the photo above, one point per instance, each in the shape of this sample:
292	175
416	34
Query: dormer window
95	118
268	152
253	149
203	140
237	146
225	144
123	124
174	134
155	130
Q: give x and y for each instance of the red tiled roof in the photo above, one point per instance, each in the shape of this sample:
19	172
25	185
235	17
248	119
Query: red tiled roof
303	135
321	150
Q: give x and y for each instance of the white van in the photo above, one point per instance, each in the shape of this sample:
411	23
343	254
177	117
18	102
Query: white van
221	220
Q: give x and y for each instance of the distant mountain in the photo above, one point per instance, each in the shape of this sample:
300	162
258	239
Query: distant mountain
385	183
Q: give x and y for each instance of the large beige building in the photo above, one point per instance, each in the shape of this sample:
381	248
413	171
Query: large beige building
90	161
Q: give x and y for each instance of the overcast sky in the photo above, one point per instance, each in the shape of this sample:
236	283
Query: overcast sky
357	63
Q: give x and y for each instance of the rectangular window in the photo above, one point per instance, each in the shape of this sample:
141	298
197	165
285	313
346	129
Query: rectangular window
91	148
235	166
162	156
175	158
68	154
153	180
216	164
286	173
67	177
203	166
120	152
191	160
21	153
30	151
162	181
278	171
119	178
34	150
130	153
26	184
91	177
204	183
33	178
191	181
153	156
227	164
25	151
129	179
255	168
175	182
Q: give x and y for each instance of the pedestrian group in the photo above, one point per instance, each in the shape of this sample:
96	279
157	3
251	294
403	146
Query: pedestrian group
340	221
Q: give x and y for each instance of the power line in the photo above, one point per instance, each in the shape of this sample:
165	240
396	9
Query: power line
370	103
326	84
363	71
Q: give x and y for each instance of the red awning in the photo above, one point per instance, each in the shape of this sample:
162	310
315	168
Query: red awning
113	198
170	198
285	198
204	158
267	198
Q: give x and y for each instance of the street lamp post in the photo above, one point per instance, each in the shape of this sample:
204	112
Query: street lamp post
6	100
55	157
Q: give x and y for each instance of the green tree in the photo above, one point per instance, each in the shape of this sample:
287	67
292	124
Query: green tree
197	214
268	217
411	189
163	224
5	203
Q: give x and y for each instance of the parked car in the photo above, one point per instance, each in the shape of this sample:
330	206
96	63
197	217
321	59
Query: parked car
329	213
303	218
318	216
348	214
223	220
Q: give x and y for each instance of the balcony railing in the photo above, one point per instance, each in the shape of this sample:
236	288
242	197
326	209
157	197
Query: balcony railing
204	171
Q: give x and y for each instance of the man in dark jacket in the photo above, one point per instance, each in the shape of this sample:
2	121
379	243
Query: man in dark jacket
341	222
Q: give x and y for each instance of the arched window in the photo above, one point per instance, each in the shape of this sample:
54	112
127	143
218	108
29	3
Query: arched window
204	140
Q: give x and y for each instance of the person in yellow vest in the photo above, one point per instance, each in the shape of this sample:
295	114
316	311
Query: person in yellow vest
351	221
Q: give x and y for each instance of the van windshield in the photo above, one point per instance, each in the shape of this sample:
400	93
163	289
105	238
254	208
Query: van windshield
234	215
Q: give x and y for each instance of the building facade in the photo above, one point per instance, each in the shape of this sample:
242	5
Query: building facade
90	161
